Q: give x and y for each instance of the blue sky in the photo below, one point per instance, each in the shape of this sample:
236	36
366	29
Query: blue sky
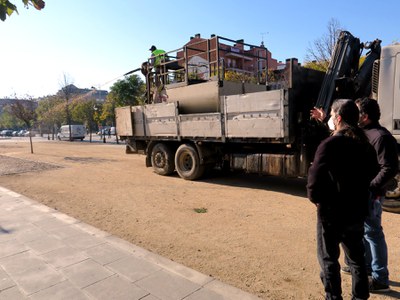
94	42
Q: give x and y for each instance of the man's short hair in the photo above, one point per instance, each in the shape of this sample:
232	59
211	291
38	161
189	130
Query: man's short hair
370	107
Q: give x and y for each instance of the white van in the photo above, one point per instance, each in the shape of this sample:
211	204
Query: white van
77	132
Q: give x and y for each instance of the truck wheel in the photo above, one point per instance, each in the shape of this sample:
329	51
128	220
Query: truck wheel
162	159
391	205
187	163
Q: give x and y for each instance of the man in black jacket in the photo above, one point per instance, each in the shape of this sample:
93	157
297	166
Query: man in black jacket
386	148
338	183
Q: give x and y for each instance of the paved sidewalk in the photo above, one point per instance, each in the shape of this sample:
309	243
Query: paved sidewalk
45	254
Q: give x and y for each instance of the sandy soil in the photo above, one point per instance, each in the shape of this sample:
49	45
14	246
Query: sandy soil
256	233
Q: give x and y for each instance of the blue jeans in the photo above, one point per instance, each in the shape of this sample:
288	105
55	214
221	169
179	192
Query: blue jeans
376	255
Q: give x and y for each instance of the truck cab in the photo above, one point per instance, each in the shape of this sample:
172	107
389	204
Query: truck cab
386	88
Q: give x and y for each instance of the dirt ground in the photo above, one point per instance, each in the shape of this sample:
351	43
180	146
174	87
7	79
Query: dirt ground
255	233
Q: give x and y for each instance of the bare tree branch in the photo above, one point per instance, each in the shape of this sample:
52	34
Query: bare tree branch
321	50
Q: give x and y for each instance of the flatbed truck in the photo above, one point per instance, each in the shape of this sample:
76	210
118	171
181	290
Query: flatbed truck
259	123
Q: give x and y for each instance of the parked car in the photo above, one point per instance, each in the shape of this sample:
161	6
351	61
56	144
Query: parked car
6	132
22	132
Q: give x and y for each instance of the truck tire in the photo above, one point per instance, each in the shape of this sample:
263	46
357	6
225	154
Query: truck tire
391	205
187	163
162	159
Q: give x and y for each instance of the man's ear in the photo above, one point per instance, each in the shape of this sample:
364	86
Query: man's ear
339	118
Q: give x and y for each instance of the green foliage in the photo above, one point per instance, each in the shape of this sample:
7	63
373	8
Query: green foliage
51	112
7	8
128	91
201	210
324	65
239	77
317	65
83	111
9	121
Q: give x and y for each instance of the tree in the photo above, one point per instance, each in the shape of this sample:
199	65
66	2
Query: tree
50	113
320	52
127	91
67	92
7	8
25	111
7	120
83	110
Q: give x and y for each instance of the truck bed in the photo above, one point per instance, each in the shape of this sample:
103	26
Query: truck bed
256	115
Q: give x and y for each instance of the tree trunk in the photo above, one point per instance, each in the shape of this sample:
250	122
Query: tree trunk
30	140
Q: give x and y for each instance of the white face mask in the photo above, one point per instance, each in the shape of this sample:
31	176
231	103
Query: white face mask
331	124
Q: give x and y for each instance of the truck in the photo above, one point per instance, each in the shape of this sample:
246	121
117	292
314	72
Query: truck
216	103
77	132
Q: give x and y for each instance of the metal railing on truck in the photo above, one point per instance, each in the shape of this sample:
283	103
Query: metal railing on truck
214	59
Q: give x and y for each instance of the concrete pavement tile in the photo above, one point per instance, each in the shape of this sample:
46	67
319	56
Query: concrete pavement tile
30	273
34	280
230	292
5	280
133	268
163	262
50	224
43	208
30	233
11	247
12	294
168	286
115	287
30	214
12	204
105	253
206	294
64	290
91	230
13	225
21	262
86	273
45	244
6	234
65	218
63	257
64	232
125	245
9	192
179	269
150	297
83	241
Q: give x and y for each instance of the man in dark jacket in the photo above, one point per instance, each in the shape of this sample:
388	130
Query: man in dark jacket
386	148
338	183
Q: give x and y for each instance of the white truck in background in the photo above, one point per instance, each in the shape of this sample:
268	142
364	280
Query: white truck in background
259	125
78	132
